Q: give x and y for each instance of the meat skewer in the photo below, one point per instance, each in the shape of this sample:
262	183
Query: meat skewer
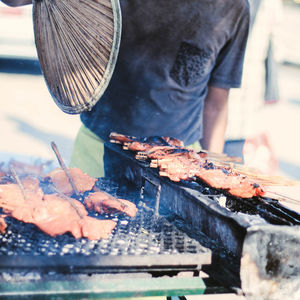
63	166
82	181
70	200
179	163
51	213
16	177
102	202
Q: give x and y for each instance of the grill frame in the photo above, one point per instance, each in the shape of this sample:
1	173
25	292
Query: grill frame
239	241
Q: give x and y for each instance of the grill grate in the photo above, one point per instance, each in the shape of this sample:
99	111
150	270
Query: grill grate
145	235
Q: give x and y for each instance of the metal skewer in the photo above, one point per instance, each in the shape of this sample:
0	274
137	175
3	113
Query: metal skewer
123	205
71	201
284	197
17	179
63	166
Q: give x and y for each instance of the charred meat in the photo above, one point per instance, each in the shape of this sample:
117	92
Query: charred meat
102	202
82	181
179	163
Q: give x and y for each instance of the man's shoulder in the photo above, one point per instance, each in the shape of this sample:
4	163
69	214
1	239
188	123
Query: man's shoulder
243	5
239	5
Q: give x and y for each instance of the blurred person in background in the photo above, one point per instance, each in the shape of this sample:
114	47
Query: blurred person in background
245	135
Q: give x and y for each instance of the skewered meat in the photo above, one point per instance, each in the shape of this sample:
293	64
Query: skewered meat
161	141
216	177
56	216
103	202
95	229
12	195
82	181
144	143
178	163
53	214
229	181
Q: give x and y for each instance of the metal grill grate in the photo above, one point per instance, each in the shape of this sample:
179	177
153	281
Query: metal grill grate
146	235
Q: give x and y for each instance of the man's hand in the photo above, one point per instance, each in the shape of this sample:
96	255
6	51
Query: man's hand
15	3
215	119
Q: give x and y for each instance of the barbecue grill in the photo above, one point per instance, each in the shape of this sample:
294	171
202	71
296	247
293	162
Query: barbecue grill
147	255
254	242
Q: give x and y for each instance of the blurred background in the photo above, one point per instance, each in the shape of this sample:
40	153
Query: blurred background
30	120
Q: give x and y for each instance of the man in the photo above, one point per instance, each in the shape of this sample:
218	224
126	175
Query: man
176	64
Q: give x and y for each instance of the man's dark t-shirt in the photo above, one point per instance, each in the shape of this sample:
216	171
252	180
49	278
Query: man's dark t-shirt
170	52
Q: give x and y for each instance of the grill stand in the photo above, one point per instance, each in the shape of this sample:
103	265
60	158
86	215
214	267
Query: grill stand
241	244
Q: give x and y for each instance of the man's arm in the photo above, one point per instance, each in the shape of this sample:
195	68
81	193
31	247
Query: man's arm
15	3
215	119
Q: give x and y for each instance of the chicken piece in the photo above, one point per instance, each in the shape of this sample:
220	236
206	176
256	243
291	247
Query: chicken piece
233	183
31	183
12	195
50	213
95	229
179	166
18	204
103	202
82	181
57	216
145	143
185	165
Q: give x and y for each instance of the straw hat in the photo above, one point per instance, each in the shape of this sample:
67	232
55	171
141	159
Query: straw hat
77	43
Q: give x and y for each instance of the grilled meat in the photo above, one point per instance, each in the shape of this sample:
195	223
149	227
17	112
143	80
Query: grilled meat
229	181
95	229
57	214
179	163
144	143
103	202
52	214
82	181
12	196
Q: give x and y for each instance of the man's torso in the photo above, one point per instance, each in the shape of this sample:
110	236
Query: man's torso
169	53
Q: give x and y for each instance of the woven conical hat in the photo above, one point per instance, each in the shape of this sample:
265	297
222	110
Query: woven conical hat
77	43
